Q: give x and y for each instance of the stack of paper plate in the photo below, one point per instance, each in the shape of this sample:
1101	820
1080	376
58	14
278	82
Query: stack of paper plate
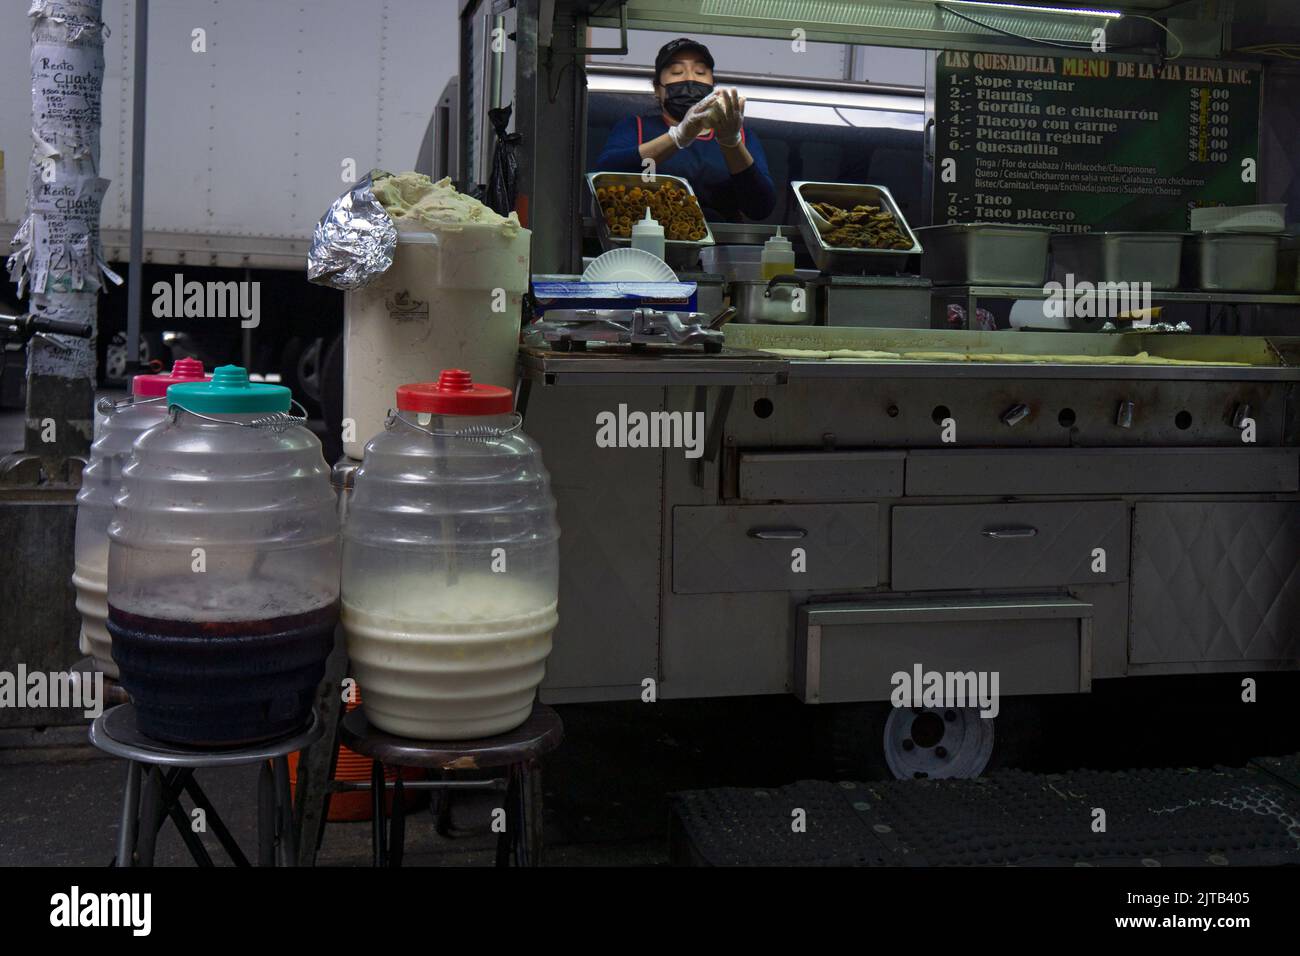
1269	219
628	265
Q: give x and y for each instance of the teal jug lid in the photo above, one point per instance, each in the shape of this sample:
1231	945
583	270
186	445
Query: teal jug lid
229	393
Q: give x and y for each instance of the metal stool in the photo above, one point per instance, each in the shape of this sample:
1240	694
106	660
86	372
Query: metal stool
145	805
519	751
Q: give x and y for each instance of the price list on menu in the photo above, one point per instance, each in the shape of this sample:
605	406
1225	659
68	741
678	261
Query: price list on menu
1084	143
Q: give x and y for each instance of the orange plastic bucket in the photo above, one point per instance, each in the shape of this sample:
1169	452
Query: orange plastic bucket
351	806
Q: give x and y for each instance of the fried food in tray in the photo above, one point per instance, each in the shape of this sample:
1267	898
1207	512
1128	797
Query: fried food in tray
862	227
671	206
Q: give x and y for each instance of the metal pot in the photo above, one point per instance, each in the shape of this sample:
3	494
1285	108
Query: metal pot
781	301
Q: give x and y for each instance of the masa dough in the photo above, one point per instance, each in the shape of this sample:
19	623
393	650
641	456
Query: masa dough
417	204
1141	358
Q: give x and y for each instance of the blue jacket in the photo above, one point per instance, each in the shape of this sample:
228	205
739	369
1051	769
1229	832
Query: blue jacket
723	197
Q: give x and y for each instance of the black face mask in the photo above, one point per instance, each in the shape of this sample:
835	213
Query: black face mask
681	96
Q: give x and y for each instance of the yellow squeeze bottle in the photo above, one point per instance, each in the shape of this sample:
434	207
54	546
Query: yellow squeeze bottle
778	256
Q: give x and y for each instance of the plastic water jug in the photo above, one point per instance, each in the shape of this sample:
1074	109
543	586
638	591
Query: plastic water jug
117	425
223	567
450	565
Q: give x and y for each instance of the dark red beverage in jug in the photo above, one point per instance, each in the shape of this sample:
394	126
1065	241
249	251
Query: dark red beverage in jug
222	683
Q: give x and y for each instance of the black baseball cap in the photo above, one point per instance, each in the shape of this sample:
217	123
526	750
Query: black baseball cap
673	47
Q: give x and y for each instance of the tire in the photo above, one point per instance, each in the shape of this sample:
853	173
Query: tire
113	367
877	741
852	735
301	367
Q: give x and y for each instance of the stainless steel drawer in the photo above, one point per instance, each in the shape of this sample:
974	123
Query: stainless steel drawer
951	547
753	548
851	651
820	475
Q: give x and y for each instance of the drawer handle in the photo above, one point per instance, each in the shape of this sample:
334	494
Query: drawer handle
1000	533
778	534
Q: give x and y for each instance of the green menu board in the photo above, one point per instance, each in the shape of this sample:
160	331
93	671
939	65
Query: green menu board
1084	143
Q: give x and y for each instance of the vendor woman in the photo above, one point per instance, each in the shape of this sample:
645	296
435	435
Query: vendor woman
699	135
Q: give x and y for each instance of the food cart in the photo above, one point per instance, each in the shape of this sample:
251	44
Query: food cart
1059	506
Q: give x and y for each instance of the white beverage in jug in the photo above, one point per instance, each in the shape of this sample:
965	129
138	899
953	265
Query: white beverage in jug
450	660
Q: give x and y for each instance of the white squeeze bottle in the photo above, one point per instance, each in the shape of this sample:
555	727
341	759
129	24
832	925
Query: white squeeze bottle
648	235
778	256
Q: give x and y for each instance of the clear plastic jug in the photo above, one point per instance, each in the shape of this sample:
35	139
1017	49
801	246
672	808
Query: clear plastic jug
116	428
223	566
450	565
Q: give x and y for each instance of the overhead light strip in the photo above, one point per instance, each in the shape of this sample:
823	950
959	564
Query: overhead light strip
1033	8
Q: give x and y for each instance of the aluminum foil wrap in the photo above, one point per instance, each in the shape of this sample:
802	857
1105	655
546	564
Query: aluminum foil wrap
355	239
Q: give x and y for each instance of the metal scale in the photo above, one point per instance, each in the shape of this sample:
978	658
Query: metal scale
566	330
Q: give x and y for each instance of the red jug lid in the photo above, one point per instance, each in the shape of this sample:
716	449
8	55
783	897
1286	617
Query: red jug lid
155	386
455	394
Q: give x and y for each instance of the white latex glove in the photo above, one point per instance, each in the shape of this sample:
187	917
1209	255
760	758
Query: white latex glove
695	122
727	116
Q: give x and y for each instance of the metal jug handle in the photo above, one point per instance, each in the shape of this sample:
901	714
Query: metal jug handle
470	431
106	406
275	421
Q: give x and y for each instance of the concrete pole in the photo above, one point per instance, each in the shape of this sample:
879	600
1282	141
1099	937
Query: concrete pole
59	258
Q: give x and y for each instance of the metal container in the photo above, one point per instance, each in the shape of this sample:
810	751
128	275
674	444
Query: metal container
710	290
681	254
741	261
985	253
1154	257
1232	261
782	301
844	260
733	261
1288	264
890	302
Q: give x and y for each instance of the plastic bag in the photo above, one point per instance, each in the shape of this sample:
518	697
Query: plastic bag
501	186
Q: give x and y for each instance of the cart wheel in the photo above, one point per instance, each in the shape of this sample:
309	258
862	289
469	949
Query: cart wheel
579	345
875	741
713	347
937	742
562	345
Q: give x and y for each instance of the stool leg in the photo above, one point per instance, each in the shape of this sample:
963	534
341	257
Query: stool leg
441	805
505	841
397	831
265	815
151	817
126	828
218	826
378	850
316	764
528	845
173	785
287	844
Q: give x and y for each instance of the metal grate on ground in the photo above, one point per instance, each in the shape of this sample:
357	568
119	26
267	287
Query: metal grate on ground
1170	817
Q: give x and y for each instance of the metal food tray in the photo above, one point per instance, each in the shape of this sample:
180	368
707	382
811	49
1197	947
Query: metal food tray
844	260
1133	257
681	254
1232	261
985	253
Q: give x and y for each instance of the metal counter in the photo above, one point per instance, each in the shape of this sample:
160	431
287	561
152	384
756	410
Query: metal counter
1160	505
